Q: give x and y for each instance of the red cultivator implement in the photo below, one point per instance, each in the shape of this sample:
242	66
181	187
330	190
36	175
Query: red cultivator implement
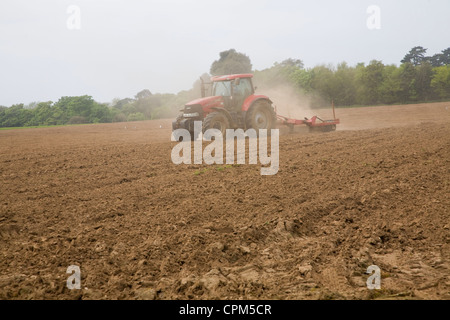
315	124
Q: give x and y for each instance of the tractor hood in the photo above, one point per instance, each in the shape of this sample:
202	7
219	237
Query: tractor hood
207	103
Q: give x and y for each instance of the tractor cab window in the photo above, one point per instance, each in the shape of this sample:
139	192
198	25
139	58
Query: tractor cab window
245	87
222	88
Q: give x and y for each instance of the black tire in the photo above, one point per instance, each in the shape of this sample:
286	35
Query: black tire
216	120
261	116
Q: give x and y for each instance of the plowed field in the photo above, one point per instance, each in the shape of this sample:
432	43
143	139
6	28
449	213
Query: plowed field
108	199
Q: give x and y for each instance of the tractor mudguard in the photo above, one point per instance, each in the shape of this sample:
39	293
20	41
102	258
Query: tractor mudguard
252	99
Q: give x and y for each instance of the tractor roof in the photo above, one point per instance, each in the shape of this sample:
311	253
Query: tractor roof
231	77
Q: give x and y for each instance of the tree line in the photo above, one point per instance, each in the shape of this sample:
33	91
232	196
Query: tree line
419	78
84	109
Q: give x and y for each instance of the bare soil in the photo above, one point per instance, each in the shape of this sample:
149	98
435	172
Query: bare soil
109	199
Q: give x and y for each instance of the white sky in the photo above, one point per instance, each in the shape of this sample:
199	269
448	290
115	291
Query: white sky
165	45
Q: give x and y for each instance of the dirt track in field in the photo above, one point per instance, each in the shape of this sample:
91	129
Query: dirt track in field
108	199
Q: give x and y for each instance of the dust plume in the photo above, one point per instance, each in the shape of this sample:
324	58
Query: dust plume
289	101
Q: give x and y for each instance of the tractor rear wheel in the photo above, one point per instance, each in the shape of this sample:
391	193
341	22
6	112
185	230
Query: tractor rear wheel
216	120
261	116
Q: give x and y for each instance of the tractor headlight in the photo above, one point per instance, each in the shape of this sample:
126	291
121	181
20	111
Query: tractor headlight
191	115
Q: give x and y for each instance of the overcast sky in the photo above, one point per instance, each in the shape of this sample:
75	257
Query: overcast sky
117	48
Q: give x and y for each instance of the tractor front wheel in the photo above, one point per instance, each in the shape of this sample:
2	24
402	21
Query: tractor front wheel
216	120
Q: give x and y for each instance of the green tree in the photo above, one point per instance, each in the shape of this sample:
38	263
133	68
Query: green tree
297	63
408	92
231	62
391	87
129	109
100	113
440	81
322	82
121	103
371	78
144	94
67	107
441	59
415	56
344	85
15	116
424	73
146	102
445	56
41	113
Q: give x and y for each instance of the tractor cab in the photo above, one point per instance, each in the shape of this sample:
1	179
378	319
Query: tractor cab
233	89
231	85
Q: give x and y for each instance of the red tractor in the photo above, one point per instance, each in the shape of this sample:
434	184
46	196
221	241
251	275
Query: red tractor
233	104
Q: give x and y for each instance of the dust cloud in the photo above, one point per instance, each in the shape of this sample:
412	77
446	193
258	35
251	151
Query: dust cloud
287	100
